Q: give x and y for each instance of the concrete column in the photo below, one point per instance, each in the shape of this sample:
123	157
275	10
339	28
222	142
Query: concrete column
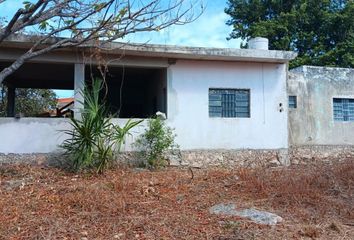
79	85
10	108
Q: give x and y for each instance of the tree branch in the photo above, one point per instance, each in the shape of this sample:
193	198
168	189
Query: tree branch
99	21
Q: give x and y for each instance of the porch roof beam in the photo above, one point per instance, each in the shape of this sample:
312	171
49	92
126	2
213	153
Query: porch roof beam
11	54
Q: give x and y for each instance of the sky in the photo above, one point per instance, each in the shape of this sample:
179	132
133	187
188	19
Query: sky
209	30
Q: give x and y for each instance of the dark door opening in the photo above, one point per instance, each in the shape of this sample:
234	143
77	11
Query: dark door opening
134	92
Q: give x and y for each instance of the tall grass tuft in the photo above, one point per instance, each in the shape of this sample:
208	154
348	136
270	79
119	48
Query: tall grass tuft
94	141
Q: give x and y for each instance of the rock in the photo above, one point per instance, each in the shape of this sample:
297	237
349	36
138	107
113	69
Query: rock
118	236
274	163
19	183
260	217
179	198
223	209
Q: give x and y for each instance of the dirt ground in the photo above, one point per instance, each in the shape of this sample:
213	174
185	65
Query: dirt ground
315	201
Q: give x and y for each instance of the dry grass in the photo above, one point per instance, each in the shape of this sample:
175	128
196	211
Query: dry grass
315	201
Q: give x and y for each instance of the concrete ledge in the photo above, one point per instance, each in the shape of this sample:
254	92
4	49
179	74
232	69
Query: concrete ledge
193	158
210	158
234	158
320	153
32	158
59	159
163	51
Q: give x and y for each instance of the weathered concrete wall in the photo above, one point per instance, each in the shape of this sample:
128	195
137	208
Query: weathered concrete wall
312	123
188	87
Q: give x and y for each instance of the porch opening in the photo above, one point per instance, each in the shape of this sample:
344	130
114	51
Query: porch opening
133	92
32	90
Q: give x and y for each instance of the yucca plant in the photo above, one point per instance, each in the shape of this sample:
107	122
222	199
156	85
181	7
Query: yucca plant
120	133
94	141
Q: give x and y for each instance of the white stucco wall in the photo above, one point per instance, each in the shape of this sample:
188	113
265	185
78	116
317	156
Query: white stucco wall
188	84
44	135
31	135
188	112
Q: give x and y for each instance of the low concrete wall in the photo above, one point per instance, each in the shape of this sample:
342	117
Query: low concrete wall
36	140
31	135
44	135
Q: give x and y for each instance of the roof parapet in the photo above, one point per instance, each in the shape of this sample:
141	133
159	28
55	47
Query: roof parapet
171	51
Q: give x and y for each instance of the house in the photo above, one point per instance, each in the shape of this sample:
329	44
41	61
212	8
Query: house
321	113
227	106
64	102
64	106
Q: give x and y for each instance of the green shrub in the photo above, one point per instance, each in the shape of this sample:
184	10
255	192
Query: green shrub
157	143
94	140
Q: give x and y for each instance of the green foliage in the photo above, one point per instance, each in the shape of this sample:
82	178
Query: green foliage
43	25
29	102
321	31
94	140
27	5
157	143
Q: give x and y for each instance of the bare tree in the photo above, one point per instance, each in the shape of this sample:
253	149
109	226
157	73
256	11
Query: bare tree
70	23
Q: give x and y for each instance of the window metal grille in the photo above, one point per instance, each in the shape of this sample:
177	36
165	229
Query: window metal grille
343	109
229	103
292	102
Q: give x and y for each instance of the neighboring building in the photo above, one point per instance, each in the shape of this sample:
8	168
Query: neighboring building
321	112
225	104
64	102
64	107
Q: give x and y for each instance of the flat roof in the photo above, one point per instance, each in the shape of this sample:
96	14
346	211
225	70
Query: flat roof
169	51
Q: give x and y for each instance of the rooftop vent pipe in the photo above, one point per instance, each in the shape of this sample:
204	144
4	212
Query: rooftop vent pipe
258	43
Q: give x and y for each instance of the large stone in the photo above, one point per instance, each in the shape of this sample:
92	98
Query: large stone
257	216
18	183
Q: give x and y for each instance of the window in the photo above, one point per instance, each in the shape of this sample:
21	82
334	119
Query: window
343	109
292	102
229	103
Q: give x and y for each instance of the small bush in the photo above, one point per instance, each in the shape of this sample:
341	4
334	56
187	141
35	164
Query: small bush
94	140
157	143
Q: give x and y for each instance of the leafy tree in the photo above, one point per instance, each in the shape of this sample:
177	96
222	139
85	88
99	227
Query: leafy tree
29	102
321	31
70	23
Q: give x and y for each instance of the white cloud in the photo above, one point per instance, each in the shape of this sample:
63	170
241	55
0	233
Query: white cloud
209	30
